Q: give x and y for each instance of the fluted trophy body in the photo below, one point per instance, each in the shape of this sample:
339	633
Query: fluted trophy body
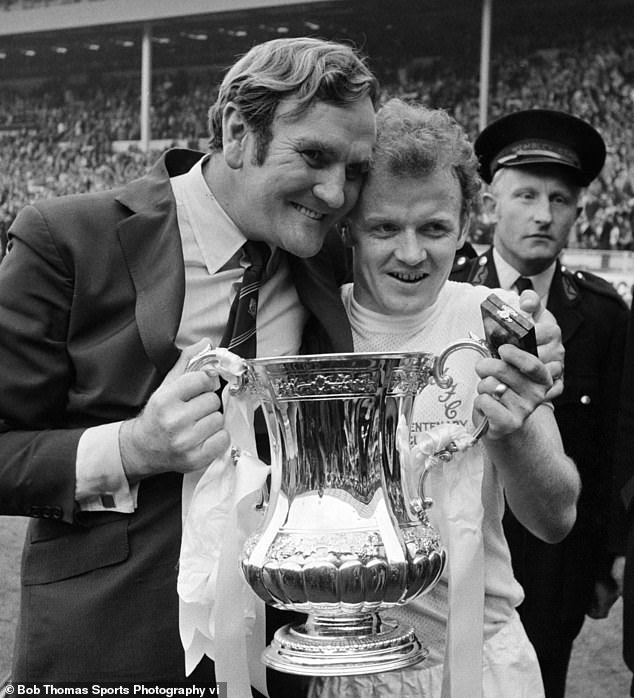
343	535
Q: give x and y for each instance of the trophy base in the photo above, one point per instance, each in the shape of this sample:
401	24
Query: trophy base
340	647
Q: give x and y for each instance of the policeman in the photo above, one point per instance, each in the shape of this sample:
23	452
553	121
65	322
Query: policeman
537	163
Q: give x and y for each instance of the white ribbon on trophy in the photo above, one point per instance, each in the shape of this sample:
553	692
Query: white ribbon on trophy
220	616
459	520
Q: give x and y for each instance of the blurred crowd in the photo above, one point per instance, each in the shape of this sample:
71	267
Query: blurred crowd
593	78
58	138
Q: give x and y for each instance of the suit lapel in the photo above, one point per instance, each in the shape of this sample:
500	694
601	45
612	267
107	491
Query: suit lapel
317	280
153	252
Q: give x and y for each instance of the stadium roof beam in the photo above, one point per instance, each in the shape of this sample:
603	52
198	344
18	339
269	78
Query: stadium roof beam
91	14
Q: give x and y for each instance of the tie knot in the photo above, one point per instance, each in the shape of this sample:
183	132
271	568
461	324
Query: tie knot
258	254
523	283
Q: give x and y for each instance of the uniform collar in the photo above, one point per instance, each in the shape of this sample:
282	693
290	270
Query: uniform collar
507	276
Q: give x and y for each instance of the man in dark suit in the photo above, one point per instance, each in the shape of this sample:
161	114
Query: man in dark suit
537	163
99	294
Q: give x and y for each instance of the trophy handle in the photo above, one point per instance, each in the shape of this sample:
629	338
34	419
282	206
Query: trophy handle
445	381
232	368
425	502
447	446
221	362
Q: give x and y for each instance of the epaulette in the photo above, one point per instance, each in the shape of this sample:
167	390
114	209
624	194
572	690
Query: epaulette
589	282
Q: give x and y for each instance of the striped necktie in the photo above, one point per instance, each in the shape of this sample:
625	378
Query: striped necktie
523	283
239	336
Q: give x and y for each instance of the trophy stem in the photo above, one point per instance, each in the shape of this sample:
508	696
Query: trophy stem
328	626
343	645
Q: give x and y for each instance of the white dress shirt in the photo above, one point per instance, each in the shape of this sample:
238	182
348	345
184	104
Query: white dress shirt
213	270
508	275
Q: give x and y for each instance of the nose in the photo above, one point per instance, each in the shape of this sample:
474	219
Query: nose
410	249
331	186
542	212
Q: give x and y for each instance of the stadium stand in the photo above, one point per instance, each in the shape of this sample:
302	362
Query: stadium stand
62	135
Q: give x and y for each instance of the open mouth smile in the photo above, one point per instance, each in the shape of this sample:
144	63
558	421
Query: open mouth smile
408	277
309	213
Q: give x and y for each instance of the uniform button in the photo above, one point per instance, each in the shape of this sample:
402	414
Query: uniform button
585	400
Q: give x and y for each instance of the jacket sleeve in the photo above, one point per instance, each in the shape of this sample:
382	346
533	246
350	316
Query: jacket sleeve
613	381
37	449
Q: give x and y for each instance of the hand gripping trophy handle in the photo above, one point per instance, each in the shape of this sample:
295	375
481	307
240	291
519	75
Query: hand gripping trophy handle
441	442
221	363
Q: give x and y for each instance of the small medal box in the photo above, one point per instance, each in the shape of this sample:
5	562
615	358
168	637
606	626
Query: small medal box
505	325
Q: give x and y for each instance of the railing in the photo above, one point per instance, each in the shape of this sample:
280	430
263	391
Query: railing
598	261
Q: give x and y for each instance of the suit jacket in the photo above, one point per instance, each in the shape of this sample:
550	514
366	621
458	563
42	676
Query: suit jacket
91	293
558	579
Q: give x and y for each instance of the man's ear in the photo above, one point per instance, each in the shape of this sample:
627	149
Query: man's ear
489	203
234	136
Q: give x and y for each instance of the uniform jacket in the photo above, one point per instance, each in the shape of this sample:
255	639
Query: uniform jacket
623	494
558	579
91	294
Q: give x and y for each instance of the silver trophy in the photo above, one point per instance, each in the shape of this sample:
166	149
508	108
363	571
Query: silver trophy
346	533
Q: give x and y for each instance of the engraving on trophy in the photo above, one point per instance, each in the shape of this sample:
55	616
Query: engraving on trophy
324	384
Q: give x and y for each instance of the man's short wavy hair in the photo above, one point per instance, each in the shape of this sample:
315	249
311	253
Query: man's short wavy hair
304	68
414	141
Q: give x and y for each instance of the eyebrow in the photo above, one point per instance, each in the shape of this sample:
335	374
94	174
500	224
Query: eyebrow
379	218
316	144
328	150
374	219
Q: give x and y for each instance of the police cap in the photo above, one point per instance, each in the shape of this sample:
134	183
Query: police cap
538	136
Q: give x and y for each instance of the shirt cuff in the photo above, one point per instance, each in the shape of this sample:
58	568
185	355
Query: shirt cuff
100	481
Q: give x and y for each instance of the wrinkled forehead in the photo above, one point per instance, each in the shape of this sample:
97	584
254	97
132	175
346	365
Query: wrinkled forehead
383	180
348	129
292	109
389	193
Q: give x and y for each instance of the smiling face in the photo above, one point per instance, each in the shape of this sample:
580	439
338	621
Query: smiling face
405	231
534	210
310	177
